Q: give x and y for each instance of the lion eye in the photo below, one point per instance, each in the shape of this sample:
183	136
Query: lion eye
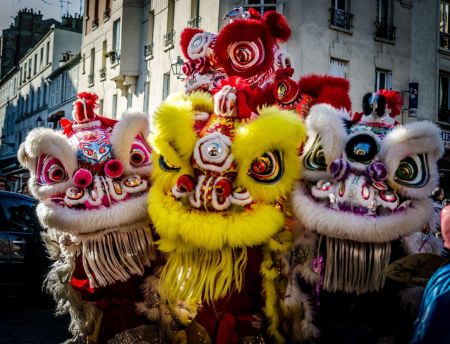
268	168
166	166
413	171
50	171
140	154
315	159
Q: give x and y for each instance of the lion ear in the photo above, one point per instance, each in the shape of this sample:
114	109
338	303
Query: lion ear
23	157
278	25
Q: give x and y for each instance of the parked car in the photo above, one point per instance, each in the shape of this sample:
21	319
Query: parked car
23	261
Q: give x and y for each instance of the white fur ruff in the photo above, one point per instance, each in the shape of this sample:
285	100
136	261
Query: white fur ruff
359	228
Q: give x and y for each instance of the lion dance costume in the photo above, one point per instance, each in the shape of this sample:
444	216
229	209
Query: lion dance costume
224	166
92	182
363	193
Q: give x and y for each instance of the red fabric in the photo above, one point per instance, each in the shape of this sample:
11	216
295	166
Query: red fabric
278	25
85	101
117	301
249	30
234	313
327	89
394	101
226	333
68	124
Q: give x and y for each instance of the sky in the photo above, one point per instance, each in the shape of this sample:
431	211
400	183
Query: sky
49	9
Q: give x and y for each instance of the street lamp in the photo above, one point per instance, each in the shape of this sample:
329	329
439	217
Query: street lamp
177	66
39	122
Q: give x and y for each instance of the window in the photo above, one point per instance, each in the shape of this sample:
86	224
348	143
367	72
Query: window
19	214
100	107
114	106
83	66
44	96
29	68
47	60
148	49
166	85
32	100
92	68
444	96
116	36
146	96
383	79
41	58
35	64
262	5
170	33
340	14
384	28
103	69
195	20
129	100
339	68
444	25
95	21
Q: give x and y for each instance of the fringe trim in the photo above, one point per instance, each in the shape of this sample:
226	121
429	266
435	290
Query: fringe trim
116	256
202	275
352	266
272	269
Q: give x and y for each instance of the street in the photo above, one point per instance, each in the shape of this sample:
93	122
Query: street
25	321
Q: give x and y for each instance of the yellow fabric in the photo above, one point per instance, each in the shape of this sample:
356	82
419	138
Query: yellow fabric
194	229
273	129
272	283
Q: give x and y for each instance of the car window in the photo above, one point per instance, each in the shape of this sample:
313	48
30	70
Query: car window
18	215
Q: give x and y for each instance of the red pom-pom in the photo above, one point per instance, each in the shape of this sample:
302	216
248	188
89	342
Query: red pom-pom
278	25
394	101
84	107
82	178
254	14
114	168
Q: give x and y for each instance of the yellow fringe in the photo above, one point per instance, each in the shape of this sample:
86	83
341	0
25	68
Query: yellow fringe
277	245
202	275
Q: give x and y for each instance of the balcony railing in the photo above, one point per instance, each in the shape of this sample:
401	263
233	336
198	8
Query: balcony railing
148	50
90	79
106	14
341	19
114	57
169	39
102	73
384	31
95	23
444	40
194	23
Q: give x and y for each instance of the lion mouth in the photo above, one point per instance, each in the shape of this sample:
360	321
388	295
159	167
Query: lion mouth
357	195
103	193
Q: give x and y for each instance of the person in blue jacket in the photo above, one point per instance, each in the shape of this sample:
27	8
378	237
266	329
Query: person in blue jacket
432	324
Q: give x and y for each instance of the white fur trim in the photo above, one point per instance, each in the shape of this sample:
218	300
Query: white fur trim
122	136
123	214
327	122
45	141
359	228
410	139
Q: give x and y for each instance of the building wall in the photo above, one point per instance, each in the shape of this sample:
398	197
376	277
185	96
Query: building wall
33	90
